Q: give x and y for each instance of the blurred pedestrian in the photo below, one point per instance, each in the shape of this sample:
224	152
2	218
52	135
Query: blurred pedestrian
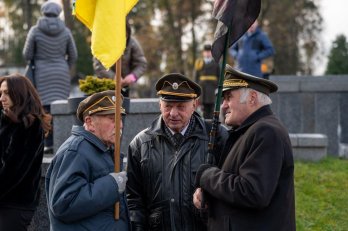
251	49
133	63
207	74
81	185
252	187
164	158
23	124
51	45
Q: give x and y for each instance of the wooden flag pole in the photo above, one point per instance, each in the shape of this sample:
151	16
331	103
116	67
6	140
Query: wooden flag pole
117	126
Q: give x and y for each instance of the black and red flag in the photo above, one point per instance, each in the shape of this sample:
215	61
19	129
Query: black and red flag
234	18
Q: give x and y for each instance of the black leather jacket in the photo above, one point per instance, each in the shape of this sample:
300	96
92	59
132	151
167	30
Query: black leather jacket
161	177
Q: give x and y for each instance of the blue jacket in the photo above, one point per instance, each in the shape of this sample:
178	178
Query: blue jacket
250	50
80	192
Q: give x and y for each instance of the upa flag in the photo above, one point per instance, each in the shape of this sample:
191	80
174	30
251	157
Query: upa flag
107	21
235	16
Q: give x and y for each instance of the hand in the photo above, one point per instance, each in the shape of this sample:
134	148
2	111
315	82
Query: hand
121	180
128	80
197	199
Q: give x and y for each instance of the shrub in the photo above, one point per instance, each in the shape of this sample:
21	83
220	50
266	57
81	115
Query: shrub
92	84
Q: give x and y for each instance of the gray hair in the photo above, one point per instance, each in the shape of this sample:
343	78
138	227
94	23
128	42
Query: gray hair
262	98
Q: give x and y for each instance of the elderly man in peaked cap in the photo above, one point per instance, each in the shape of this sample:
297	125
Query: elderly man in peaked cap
163	160
81	185
252	187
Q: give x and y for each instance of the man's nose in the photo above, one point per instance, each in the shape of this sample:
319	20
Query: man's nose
224	104
173	111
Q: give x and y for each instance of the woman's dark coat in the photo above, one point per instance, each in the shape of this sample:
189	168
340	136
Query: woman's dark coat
21	153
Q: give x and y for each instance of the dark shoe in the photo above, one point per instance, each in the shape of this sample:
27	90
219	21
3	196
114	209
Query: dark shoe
48	150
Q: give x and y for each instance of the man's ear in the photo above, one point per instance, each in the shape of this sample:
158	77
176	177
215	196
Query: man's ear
253	97
195	103
159	104
89	123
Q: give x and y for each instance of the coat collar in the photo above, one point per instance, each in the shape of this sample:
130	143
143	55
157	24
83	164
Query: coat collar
80	131
258	114
156	127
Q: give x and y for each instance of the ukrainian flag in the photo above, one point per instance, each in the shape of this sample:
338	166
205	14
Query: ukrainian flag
107	21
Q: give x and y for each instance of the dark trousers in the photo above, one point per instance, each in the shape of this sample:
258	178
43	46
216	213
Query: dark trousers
15	219
49	138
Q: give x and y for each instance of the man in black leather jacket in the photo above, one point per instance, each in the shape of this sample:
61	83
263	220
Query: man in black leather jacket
163	160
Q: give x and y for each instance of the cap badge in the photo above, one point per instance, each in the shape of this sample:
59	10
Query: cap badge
175	86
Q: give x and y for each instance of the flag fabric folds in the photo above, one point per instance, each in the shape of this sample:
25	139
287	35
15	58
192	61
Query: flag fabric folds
107	21
235	15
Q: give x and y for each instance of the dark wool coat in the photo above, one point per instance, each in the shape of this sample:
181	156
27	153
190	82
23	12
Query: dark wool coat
253	186
161	178
21	153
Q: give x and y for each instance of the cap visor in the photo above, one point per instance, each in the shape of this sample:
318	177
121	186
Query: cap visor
175	99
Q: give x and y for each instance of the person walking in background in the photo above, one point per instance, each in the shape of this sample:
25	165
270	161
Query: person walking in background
133	64
251	49
207	74
81	185
163	159
252	187
51	45
23	124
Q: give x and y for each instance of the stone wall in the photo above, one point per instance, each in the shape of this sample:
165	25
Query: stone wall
315	105
303	104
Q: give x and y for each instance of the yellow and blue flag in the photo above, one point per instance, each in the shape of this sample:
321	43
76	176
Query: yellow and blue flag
107	21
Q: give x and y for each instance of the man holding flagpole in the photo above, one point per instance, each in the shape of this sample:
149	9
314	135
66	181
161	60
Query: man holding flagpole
81	184
252	186
107	21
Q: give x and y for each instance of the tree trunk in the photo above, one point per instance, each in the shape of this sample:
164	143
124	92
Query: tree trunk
67	14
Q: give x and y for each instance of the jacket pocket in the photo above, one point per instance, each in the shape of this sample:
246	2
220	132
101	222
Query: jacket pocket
155	221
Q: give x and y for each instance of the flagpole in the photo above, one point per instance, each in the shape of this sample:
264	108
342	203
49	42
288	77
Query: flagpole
117	126
216	115
212	135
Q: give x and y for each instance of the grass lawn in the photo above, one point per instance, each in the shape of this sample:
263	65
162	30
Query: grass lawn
322	195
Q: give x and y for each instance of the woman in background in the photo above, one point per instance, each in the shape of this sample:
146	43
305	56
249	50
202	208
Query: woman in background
23	124
51	45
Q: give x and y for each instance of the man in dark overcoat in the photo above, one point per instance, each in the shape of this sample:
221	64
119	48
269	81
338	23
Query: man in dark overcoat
163	160
207	72
252	187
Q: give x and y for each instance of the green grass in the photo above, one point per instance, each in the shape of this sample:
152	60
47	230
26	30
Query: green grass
321	191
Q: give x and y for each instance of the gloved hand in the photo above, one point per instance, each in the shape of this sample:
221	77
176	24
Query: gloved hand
121	180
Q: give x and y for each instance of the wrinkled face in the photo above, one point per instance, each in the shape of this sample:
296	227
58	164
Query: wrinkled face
176	115
235	111
4	96
103	126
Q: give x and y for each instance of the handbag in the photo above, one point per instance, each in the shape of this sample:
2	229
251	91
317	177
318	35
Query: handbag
30	71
